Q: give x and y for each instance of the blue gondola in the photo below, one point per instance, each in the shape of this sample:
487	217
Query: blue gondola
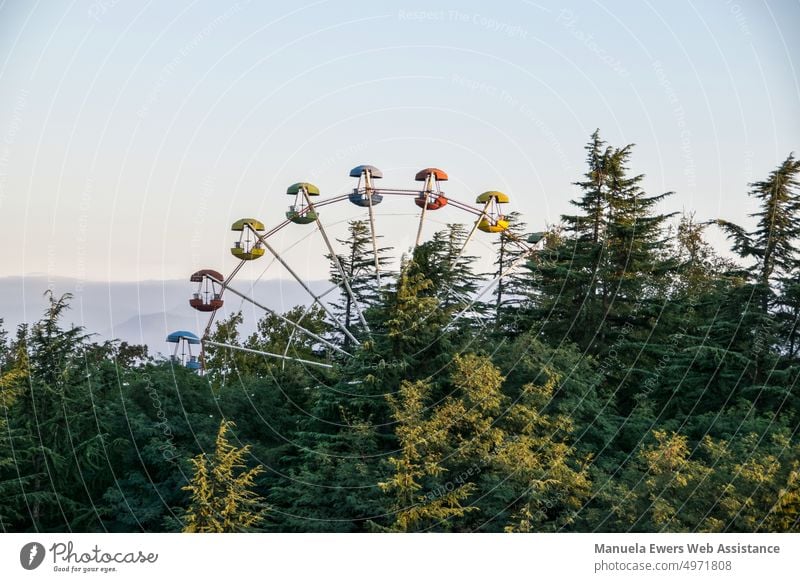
176	336
184	340
360	199
359	170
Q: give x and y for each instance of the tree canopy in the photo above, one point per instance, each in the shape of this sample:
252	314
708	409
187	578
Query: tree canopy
627	377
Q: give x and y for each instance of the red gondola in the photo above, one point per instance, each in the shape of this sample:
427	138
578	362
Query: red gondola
208	296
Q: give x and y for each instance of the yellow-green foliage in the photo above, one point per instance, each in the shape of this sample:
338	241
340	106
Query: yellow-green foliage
221	490
13	380
749	484
538	459
423	444
473	438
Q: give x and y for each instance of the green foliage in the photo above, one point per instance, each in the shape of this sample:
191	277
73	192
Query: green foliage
628	377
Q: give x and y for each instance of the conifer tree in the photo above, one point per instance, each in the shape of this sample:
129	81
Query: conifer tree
773	243
568	296
510	291
223	499
419	463
52	425
548	480
450	270
14	377
774	246
358	263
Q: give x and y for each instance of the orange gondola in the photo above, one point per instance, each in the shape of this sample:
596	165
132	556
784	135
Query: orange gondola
431	197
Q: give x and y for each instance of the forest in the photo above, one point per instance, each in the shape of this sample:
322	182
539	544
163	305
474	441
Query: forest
630	377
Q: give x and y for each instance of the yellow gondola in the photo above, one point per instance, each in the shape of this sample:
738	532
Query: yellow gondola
499	225
493	219
248	247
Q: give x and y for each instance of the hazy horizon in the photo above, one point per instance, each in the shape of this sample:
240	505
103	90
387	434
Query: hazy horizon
138	312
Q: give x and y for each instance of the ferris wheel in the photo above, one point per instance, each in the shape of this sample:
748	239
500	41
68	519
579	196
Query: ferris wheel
253	241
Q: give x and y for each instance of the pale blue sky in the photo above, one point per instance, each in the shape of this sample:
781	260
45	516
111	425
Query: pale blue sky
133	133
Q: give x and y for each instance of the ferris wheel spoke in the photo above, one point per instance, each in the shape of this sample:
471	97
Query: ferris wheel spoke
288	321
342	274
317	299
306	311
488	287
470	235
466	207
469	307
421	221
268	354
374	243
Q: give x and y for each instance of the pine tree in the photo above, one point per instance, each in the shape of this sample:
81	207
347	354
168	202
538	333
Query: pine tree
359	265
475	461
567	302
444	261
746	483
746	336
52	427
13	380
604	284
548	480
510	291
773	243
607	268
223	499
444	445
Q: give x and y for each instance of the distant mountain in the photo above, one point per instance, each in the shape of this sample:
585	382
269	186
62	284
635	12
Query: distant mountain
142	312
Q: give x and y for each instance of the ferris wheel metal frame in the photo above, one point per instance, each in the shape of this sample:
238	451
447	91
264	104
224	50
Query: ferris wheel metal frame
254	243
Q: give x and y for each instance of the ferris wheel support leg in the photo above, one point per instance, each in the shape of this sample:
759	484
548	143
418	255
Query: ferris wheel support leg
316	298
374	242
342	274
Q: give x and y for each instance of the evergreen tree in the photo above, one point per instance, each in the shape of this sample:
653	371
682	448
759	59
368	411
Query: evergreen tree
444	262
510	291
548	480
773	243
359	265
421	497
747	483
568	298
57	444
223	499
